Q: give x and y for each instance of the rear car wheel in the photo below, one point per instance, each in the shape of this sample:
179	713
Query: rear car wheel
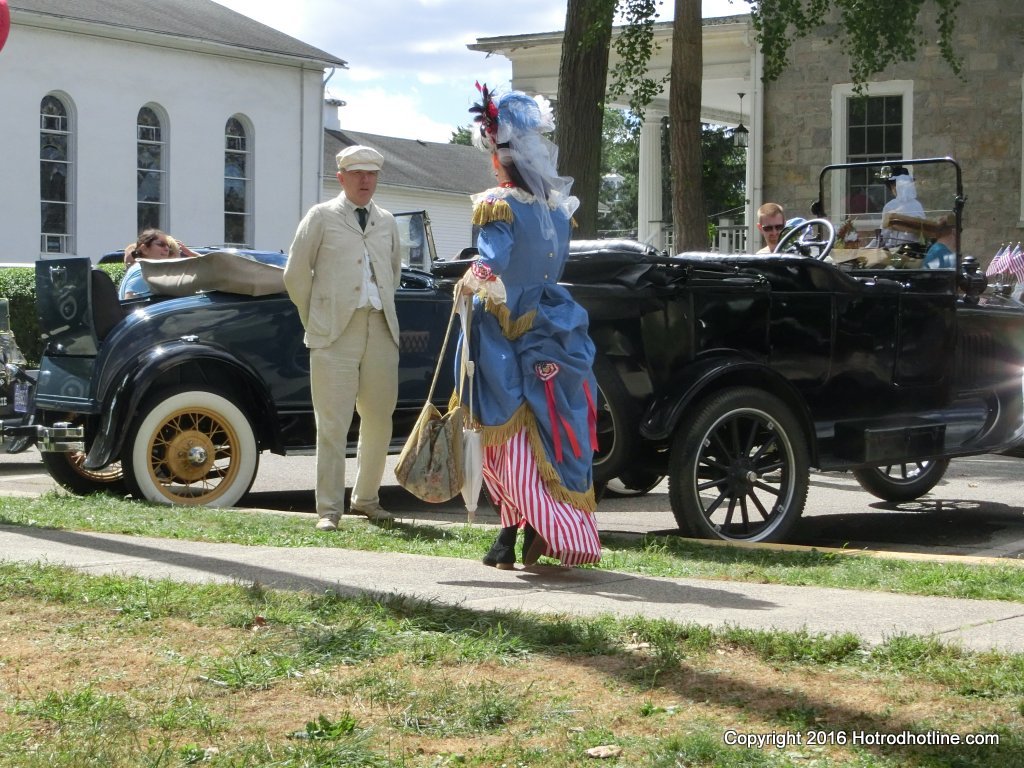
738	470
618	437
67	470
191	447
902	482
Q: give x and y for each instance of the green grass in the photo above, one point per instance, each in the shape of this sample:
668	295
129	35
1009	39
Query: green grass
280	678
651	556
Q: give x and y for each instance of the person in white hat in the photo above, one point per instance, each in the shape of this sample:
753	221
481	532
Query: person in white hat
343	268
900	185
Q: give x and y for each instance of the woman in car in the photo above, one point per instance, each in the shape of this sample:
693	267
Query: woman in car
152	244
534	387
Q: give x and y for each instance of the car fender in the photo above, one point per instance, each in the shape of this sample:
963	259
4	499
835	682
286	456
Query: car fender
711	374
122	401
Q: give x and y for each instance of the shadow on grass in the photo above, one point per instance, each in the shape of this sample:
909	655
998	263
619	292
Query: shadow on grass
587	644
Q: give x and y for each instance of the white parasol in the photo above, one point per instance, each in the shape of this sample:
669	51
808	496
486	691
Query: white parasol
472	437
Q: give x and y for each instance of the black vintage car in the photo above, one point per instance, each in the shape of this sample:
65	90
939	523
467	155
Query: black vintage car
16	384
731	374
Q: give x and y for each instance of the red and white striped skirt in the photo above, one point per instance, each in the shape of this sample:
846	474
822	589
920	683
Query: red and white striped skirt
515	485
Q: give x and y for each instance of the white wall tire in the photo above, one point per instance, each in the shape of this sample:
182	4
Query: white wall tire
191	447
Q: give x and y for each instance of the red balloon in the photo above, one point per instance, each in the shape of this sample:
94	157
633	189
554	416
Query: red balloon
5	22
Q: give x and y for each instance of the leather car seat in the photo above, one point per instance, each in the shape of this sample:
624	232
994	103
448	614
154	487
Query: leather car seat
106	307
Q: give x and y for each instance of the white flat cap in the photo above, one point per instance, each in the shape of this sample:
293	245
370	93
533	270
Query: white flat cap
359	158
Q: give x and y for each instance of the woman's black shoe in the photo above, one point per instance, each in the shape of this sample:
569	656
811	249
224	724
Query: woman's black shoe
502	554
533	545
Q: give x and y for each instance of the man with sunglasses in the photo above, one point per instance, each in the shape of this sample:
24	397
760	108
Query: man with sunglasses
770	220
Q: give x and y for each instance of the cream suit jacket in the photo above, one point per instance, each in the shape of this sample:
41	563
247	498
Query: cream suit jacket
324	273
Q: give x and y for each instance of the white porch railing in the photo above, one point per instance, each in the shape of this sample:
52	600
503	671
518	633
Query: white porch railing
730	238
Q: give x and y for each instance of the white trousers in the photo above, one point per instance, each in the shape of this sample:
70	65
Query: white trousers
359	371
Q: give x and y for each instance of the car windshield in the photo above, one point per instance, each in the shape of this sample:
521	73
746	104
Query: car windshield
892	214
412	233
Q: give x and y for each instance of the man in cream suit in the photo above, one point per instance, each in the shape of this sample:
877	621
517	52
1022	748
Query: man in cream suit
343	267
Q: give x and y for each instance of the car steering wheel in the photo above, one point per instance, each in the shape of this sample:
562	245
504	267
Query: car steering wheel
795	242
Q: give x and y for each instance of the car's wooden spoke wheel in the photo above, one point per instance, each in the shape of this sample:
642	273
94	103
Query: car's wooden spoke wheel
68	469
189	447
192	447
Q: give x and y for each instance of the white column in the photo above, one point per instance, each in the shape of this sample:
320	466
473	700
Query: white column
755	155
649	223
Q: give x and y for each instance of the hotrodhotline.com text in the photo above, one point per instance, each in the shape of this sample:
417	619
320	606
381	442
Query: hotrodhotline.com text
810	738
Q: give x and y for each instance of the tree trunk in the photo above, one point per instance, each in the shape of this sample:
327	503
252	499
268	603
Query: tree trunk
582	78
688	216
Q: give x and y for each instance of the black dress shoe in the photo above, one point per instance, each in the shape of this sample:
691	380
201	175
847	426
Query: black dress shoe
501	557
533	545
502	554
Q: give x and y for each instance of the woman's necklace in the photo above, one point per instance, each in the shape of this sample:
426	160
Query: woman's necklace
507	185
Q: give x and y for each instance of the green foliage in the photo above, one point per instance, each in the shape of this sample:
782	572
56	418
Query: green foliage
875	34
18	286
333	744
706	749
799	646
328	730
462	135
116	271
257	665
723	172
461	709
349	644
620	154
635	46
82	706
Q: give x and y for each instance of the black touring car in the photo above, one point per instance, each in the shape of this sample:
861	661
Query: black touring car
732	375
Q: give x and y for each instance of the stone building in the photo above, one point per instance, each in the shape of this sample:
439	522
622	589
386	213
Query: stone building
976	119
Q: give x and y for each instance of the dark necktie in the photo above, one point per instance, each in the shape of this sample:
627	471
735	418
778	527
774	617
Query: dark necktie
362	213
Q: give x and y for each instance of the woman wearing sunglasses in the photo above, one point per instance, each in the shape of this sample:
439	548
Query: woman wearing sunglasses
152	244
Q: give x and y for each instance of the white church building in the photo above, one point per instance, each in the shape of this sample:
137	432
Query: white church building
182	114
179	114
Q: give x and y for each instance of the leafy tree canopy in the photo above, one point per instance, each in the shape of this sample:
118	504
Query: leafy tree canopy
462	135
635	46
875	34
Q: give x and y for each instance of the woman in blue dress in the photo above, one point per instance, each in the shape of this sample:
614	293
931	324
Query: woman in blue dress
534	387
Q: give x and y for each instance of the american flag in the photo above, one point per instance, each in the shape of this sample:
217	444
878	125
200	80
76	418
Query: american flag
1016	263
997	264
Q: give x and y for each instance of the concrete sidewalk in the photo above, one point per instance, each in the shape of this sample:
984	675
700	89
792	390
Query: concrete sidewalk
974	624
